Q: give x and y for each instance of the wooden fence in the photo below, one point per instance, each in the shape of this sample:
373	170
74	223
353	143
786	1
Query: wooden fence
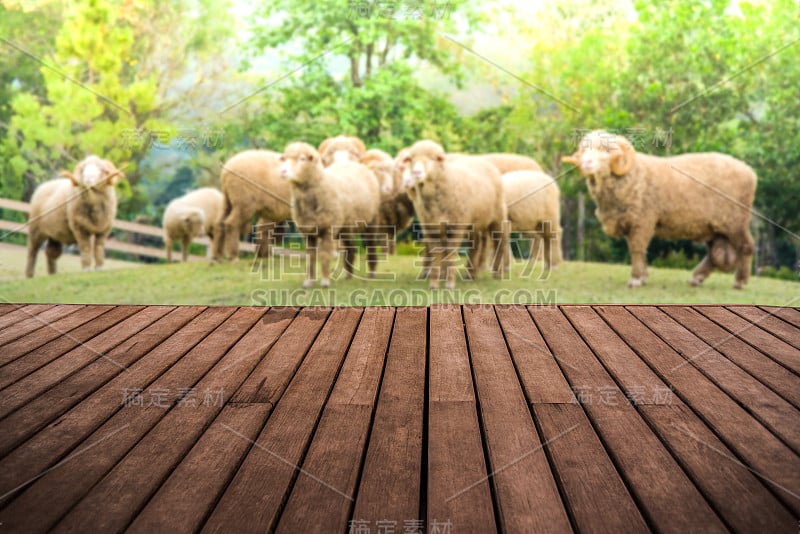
114	243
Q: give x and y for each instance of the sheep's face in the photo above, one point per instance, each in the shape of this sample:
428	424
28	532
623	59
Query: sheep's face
601	155
94	173
194	221
420	164
296	157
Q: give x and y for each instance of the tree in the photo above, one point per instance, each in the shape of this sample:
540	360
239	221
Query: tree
354	55
115	77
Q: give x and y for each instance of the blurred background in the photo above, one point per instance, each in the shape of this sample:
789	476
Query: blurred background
172	89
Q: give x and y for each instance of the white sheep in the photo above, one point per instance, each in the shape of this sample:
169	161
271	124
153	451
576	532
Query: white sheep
455	197
534	205
77	209
252	185
194	214
701	197
343	198
341	148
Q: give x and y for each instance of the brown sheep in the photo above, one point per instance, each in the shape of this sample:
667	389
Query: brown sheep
194	214
342	198
700	197
77	209
396	210
341	148
454	197
252	185
534	205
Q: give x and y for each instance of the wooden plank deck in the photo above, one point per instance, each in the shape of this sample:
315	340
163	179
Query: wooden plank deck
443	419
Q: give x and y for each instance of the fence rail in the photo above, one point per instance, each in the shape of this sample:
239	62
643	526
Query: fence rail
113	243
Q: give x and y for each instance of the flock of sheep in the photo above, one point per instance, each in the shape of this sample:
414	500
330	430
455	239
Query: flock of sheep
341	189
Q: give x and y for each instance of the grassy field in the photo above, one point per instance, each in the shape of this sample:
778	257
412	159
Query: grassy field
278	281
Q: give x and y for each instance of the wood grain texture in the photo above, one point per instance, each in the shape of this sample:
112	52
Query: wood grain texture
668	418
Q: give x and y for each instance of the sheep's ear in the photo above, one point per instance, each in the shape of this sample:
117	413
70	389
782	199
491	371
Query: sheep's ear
70	175
622	159
573	159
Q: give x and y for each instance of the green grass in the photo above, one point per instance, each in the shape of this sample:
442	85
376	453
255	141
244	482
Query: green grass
241	283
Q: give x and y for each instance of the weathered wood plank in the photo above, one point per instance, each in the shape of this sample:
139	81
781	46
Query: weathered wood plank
63	487
54	442
762	451
765	405
35	322
640	384
528	499
228	439
778	350
22	312
40	411
455	445
761	366
113	502
666	496
595	493
739	497
790	315
252	501
337	449
60	328
27	386
391	479
541	377
765	320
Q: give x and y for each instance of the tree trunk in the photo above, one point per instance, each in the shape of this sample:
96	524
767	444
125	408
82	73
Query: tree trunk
581	229
566	238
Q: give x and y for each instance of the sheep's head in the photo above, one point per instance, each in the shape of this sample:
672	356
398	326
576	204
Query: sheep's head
382	165
601	154
296	158
194	220
422	160
94	173
341	148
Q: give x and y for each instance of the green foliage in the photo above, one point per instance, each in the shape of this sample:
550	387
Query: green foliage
675	77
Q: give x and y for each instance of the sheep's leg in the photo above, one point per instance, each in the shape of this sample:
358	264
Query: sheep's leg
637	246
52	251
435	254
267	231
99	251
536	242
372	240
311	260
449	252
391	241
85	247
185	242
168	246
702	270
742	276
228	231
556	249
502	258
349	244
34	242
325	254
744	253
